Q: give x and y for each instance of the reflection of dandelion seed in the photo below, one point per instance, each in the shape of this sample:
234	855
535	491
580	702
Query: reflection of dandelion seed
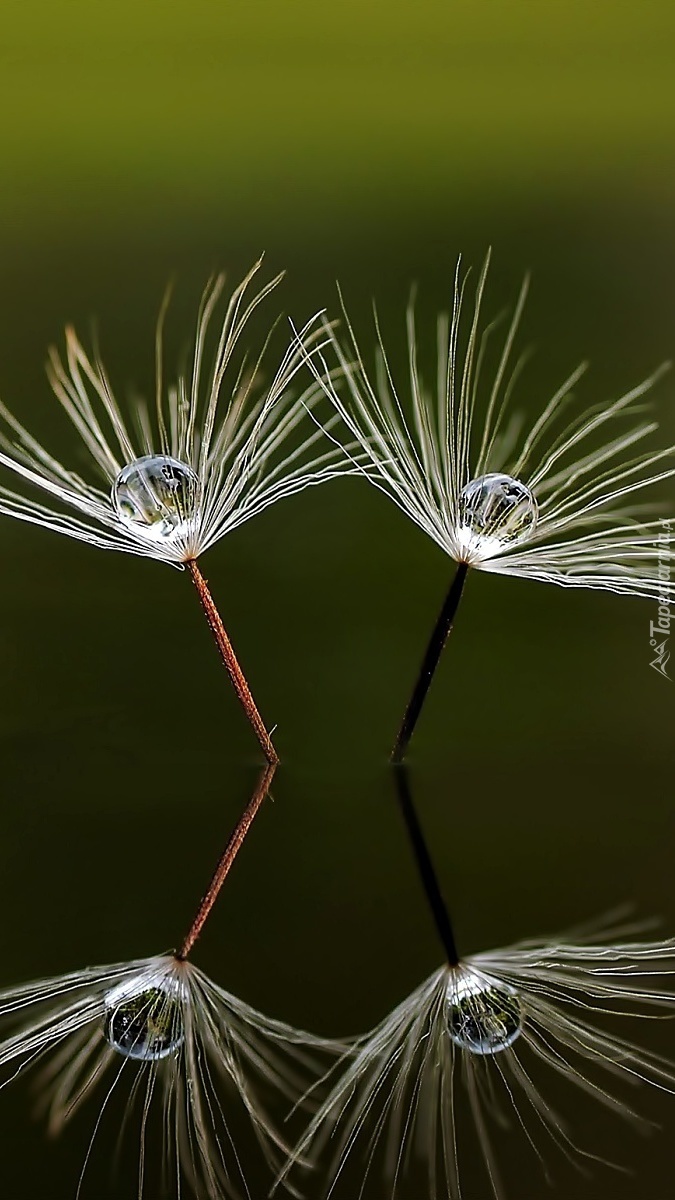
176	1040
189	472
545	504
174	1037
474	1031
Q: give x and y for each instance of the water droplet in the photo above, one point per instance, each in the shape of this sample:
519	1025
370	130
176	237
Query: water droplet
156	496
144	1022
494	512
483	1017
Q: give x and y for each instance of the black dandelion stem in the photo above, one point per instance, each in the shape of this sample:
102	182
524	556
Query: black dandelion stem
425	866
229	659
434	649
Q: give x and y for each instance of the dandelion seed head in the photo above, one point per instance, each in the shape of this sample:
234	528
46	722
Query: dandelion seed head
495	511
556	498
144	1022
177	1045
484	1017
479	1034
157	496
167	481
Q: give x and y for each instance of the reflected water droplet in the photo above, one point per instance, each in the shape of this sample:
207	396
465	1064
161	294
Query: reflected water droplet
144	1022
494	512
156	496
483	1017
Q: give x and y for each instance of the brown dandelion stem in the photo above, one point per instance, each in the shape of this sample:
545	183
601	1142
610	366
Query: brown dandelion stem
230	662
439	637
226	860
425	866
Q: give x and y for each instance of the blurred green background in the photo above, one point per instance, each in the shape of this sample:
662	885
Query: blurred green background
371	142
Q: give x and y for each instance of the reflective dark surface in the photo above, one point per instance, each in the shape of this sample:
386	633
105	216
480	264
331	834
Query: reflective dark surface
543	764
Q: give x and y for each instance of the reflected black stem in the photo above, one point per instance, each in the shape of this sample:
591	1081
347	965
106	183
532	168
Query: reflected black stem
425	865
430	661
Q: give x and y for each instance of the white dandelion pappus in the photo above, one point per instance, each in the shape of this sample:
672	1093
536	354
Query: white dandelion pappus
167	482
173	1035
180	476
181	1047
552	503
471	1034
539	504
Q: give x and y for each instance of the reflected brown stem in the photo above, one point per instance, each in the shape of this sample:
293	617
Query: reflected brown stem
226	860
229	659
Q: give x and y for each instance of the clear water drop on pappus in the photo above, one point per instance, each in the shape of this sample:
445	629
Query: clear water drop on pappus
495	511
156	496
144	1022
483	1017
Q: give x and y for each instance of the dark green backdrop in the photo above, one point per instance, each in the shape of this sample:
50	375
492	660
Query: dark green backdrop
371	142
